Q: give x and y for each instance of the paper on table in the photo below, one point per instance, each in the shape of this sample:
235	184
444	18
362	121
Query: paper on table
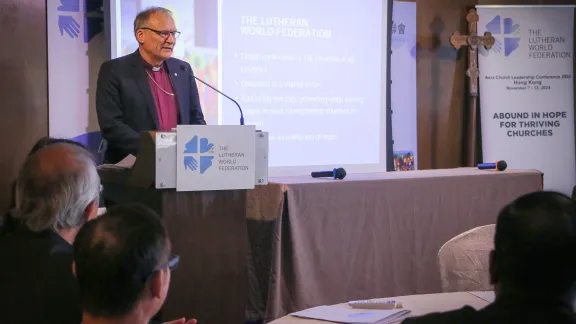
126	163
341	314
488	296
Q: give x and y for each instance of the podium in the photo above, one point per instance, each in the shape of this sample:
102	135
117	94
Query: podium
196	178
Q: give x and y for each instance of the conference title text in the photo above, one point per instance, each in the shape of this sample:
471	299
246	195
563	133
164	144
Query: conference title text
535	124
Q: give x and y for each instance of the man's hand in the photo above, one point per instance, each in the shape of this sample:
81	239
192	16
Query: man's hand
182	321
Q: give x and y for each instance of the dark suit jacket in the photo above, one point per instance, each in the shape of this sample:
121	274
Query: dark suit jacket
36	280
125	105
8	223
506	310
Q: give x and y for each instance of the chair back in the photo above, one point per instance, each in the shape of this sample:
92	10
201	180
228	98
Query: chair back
464	260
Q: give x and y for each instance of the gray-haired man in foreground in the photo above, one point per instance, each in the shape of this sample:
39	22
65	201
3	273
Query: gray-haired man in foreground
57	191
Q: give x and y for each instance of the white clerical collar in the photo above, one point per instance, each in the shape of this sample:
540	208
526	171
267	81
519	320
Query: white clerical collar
155	68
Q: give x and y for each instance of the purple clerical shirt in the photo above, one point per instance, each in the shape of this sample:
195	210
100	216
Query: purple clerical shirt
166	104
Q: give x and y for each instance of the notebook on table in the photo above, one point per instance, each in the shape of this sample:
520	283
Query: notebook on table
346	315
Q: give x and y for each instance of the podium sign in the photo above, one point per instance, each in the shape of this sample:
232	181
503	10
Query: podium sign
215	157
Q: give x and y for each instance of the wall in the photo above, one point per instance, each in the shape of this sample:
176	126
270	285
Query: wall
441	79
23	85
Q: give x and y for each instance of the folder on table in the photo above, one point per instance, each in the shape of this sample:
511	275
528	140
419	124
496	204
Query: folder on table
340	314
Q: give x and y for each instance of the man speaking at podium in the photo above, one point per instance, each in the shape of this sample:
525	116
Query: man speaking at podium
146	90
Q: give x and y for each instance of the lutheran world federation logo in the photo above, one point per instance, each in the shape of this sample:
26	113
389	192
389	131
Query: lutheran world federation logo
199	154
71	27
506	34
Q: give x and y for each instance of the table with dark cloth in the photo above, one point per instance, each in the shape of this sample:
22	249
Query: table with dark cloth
322	241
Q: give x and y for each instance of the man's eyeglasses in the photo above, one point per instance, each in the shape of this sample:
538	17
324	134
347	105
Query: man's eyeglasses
163	33
171	264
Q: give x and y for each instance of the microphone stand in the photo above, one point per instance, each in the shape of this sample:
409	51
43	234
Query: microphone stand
220	92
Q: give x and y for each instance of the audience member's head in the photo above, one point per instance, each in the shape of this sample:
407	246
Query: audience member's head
41	143
45	141
122	261
535	244
58	188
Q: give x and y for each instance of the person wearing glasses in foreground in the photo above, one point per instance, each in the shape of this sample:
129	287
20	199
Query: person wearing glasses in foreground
147	90
123	263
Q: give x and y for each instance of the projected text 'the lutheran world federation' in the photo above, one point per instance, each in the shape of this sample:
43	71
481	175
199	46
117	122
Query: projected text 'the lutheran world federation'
281	27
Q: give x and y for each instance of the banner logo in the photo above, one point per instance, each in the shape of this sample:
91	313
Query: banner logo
93	18
200	154
506	34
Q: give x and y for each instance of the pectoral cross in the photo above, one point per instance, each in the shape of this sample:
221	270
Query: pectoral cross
472	40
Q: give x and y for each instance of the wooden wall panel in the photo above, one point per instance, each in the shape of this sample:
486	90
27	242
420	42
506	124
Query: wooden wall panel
441	83
23	85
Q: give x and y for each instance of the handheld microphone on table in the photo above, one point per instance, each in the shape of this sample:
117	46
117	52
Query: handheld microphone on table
499	165
338	173
185	69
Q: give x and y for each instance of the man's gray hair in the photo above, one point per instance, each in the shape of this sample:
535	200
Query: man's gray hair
55	186
144	15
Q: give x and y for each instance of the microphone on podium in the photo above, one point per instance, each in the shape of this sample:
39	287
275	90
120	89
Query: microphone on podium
185	69
338	173
499	165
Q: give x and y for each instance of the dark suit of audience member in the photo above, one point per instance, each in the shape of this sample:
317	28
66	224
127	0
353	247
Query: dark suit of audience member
532	267
36	283
57	192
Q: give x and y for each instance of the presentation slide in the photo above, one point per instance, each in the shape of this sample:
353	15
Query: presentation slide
312	73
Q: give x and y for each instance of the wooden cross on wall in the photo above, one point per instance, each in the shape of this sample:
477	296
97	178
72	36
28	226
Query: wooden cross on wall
472	41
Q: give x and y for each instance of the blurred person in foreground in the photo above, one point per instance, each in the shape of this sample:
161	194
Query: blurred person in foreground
7	221
532	266
123	264
57	191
